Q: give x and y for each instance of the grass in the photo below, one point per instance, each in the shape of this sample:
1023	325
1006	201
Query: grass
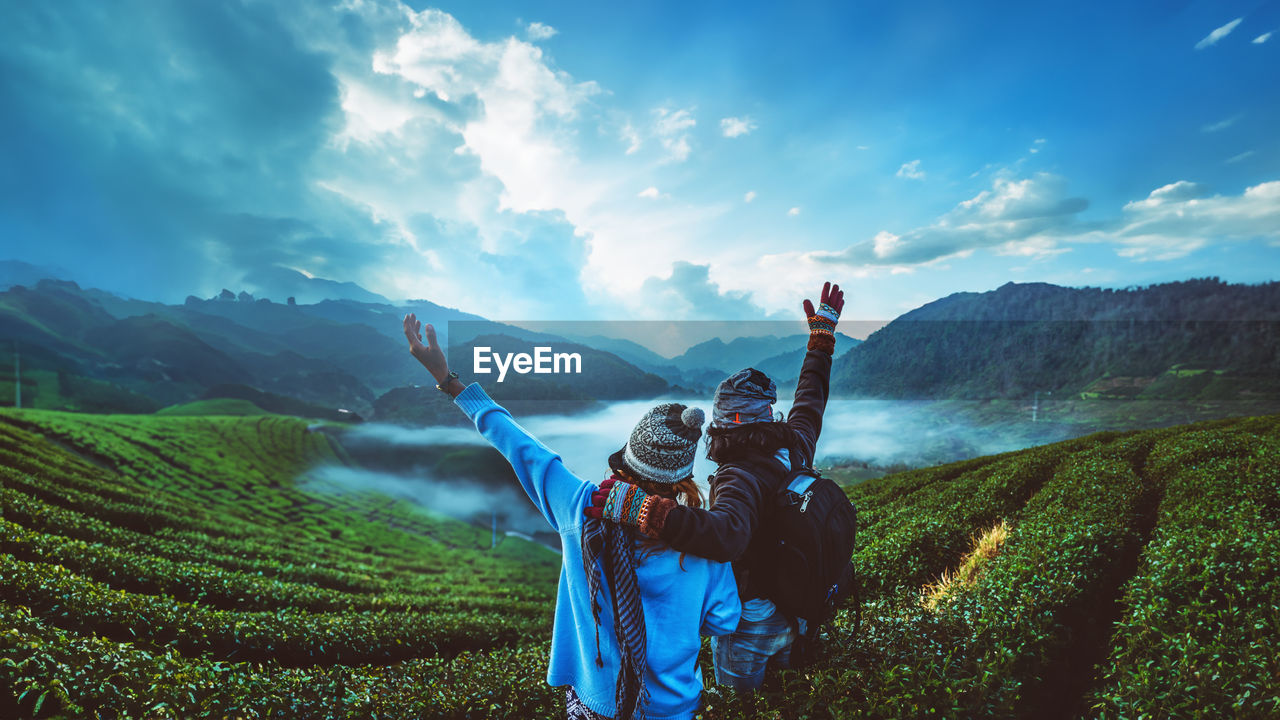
986	546
170	566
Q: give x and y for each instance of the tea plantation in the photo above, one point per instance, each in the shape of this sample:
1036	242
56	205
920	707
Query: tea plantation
169	567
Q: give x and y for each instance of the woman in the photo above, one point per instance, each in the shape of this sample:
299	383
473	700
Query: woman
656	601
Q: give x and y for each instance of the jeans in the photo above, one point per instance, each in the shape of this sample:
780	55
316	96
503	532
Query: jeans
741	657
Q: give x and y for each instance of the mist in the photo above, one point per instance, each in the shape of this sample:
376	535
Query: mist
462	499
397	461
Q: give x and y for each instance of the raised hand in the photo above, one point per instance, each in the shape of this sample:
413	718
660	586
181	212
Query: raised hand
430	354
822	322
832	297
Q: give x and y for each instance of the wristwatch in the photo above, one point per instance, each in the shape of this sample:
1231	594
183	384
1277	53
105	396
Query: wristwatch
444	386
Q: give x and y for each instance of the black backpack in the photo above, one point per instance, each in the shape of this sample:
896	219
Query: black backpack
802	553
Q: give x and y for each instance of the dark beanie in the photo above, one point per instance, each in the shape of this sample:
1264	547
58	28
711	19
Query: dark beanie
746	396
662	445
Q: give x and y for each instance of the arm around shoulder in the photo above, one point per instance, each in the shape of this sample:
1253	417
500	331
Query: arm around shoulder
723	531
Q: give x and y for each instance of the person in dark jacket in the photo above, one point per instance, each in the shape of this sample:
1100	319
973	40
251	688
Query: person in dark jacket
754	452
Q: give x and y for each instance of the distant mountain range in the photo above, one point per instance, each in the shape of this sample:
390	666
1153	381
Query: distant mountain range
91	350
335	353
87	349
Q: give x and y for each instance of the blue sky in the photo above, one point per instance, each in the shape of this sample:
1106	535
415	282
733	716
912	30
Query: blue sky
537	161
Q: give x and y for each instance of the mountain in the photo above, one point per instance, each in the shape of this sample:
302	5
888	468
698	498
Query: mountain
85	348
597	374
749	351
784	368
1023	338
16	272
281	283
629	350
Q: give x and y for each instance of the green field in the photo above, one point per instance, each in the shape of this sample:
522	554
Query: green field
169	567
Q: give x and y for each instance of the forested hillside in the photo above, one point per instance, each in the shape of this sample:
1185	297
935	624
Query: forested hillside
1023	338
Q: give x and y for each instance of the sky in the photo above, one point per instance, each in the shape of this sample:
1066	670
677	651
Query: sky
670	161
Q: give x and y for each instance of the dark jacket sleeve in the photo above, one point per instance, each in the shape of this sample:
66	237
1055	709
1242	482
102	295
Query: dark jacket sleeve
721	533
812	390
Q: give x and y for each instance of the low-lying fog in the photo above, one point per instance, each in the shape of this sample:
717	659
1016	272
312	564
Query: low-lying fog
877	432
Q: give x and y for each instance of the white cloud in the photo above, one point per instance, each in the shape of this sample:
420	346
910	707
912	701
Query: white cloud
751	195
793	212
689	291
733	127
651	193
538	31
1262	38
1179	218
632	137
1220	125
470	153
1173	192
370	111
1010	216
1035	146
864	147
911	170
1213	37
671	128
1036	246
1242	156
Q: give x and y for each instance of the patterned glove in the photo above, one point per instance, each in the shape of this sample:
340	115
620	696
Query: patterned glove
621	502
822	322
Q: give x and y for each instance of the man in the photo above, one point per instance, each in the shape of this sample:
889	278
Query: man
754	452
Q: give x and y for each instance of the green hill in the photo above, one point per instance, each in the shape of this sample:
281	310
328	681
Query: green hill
1022	338
214	406
166	567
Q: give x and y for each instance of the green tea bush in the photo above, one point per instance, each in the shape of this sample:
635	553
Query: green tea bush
228	589
91	674
287	637
1198	638
171	568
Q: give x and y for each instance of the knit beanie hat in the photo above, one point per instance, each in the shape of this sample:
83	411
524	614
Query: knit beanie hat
746	396
662	445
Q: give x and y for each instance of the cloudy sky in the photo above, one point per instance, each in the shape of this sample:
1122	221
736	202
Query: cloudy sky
558	160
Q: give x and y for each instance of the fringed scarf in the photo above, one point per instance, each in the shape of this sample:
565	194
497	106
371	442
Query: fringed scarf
612	547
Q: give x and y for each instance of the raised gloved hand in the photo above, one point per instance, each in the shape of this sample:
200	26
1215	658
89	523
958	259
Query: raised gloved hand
621	502
822	322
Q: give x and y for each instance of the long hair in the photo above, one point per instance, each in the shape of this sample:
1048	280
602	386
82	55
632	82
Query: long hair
757	438
686	492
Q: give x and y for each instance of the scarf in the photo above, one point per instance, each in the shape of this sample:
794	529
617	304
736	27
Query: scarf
611	547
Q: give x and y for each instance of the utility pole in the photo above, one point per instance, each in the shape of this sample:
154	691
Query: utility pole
17	376
494	543
1035	405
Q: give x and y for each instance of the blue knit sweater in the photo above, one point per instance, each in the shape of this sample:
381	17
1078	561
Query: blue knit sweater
679	605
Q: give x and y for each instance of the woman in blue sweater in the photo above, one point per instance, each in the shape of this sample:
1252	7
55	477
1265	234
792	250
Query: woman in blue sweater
652	602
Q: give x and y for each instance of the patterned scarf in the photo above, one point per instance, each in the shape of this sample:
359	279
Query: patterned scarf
612	547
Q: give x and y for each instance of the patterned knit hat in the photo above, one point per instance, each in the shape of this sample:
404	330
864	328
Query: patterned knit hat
746	396
662	445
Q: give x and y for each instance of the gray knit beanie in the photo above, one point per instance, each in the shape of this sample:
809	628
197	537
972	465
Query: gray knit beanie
662	445
746	396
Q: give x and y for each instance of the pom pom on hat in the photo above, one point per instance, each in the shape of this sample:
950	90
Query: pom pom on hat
662	445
